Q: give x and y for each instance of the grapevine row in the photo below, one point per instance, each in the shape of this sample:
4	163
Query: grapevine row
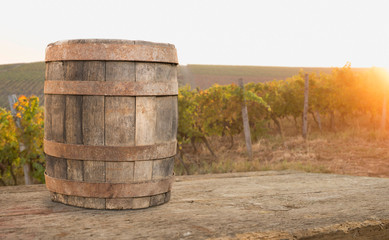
343	94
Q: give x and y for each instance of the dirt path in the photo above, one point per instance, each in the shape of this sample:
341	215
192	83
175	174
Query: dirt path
271	205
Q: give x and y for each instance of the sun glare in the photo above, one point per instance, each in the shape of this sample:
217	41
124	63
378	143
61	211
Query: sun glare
384	73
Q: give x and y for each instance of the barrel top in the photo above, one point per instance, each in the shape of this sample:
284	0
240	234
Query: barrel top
111	50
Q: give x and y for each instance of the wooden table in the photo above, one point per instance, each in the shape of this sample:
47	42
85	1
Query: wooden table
273	205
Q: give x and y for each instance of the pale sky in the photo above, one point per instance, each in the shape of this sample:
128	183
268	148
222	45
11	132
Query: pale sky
309	33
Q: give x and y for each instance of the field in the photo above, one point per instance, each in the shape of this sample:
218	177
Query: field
357	152
204	76
21	79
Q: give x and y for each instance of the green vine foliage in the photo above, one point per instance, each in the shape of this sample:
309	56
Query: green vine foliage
216	111
22	141
30	134
9	150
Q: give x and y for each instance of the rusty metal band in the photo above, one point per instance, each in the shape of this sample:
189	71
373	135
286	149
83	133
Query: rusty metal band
109	190
110	153
111	52
115	88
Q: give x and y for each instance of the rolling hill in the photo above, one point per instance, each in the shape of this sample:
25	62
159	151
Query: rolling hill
28	78
21	79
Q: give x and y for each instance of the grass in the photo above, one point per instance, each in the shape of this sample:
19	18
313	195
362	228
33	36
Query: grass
353	151
269	154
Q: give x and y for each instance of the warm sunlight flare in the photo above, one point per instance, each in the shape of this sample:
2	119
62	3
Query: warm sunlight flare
383	73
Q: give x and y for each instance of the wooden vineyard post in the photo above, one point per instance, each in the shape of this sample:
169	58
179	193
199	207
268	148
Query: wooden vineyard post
305	113
246	126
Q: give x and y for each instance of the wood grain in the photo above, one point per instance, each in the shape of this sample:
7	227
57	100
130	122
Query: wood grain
93	122
56	167
216	206
119	172
73	120
157	200
145	72
119	128
162	168
166	119
54	71
76	201
55	121
120	71
119	203
112	50
57	197
167	196
119	121
73	126
154	123
142	202
143	170
146	116
75	170
165	72
175	117
54	124
86	126
47	117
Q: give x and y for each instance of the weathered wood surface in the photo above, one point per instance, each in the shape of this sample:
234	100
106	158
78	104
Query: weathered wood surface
258	205
117	121
246	124
112	50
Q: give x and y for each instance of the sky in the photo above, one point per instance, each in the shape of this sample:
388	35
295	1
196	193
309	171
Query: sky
300	33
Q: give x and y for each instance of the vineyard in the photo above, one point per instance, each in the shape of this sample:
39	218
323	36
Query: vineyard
27	78
344	100
21	79
333	98
204	76
210	125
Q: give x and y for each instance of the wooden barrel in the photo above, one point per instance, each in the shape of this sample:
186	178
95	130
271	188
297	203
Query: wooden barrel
110	122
